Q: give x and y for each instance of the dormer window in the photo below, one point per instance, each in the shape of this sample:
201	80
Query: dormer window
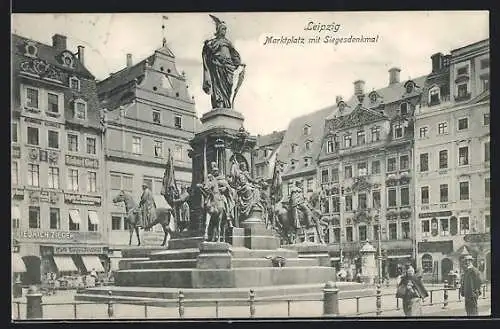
434	95
403	108
307	130
330	146
31	49
307	145
373	97
462	91
409	87
74	83
293	148
398	130
67	59
80	109
266	152
341	106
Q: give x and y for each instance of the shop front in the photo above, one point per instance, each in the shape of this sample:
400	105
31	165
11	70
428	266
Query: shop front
73	259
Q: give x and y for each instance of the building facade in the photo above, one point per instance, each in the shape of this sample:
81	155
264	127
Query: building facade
148	113
265	154
365	172
57	161
452	147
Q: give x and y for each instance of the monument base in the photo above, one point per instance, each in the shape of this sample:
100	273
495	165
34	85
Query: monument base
312	250
226	118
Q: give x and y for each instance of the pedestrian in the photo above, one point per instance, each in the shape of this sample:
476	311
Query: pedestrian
470	287
412	291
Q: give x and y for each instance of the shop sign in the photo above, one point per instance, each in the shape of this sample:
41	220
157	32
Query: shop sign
477	237
38	235
65	250
435	214
78	161
84	199
444	247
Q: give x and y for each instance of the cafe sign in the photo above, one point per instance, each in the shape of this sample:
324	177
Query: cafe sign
78	161
62	236
477	237
444	247
435	214
65	250
83	199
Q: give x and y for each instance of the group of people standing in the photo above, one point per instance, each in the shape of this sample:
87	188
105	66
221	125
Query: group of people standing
412	290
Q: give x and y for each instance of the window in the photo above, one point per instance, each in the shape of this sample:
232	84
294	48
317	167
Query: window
34	217
53	101
463	124
306	130
91	221
405	230
376	167
136	145
453	225
348	203
443	193
156	116
306	162
462	91
423	132
348	171
14	173
329	147
434	96
54	177
335	175
361	138
443	159
426	228
375	134
336	235
307	145
362	233
74	220
485	83
486	119
178	122
53	137
391	164
347	141
442	128
92	183
464	190
348	234
14	132
398	130
158	148
73	180
404	108
427	263
335	204
393	231
424	194
362	169
362	201
72	143
464	225
404	162
391	199
462	70
292	164
487	187
80	110
32	98
74	84
33	136
376	199
324	176
376	232
486	223
116	223
309	185
178	153
485	63
405	196
424	162
55	219
445	228
463	156
293	148
33	175
91	145
487	151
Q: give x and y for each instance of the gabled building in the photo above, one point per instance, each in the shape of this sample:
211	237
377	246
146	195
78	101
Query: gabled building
365	169
452	147
148	111
265	154
58	221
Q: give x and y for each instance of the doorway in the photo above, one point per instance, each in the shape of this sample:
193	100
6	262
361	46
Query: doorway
32	275
446	267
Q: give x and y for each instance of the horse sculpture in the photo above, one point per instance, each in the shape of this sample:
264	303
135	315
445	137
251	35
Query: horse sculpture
215	215
162	217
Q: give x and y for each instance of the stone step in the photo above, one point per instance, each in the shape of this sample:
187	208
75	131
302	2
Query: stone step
140	252
184	243
166	264
263	262
125	263
188	253
241	252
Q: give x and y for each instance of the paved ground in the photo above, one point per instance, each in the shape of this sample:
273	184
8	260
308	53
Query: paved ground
367	307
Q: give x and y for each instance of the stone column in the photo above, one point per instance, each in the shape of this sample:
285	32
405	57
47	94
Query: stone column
368	264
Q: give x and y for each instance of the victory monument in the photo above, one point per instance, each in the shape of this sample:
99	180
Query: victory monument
229	244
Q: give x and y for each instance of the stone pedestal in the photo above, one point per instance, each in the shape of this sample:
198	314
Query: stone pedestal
312	250
225	118
214	255
368	263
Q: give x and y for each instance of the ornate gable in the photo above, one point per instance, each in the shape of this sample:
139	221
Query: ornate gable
360	116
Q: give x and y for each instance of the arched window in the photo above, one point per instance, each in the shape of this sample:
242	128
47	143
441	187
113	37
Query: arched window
427	263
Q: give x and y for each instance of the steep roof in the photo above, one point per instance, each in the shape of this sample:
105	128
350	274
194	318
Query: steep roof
276	137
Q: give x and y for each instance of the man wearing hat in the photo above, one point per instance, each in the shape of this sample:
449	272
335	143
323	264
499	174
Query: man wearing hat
182	203
147	205
470	287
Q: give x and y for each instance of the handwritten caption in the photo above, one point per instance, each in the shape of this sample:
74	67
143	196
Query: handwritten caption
323	34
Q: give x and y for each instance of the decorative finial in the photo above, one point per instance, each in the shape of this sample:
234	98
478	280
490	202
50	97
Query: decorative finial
164	42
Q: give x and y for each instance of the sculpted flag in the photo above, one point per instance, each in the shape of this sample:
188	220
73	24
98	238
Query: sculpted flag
276	189
169	186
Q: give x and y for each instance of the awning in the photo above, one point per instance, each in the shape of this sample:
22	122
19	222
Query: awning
92	262
93	218
18	265
398	256
16	214
65	264
75	216
334	259
160	202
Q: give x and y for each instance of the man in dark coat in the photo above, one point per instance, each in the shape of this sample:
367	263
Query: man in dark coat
470	288
412	292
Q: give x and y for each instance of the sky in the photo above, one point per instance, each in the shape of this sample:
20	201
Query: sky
281	81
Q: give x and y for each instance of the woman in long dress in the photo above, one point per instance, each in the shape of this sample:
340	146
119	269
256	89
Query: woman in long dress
412	291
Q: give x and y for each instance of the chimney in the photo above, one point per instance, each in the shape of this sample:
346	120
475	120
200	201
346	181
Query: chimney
59	42
81	57
359	86
394	75
437	62
338	99
129	60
